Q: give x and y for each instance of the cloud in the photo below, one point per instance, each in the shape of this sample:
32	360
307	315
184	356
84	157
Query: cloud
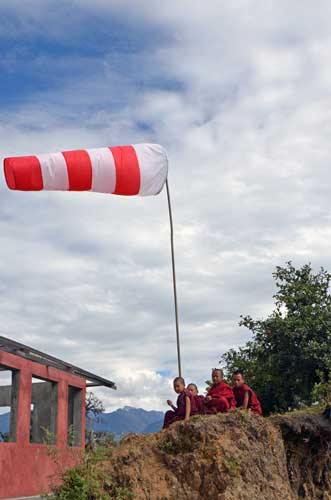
239	94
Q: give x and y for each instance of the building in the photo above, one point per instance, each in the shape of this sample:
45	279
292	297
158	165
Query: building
45	401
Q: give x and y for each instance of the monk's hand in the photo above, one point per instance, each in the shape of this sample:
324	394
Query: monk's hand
208	398
169	402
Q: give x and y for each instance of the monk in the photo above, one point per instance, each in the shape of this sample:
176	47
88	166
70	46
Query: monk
245	396
185	404
220	397
199	400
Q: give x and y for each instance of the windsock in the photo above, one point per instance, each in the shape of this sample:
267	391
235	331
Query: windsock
139	169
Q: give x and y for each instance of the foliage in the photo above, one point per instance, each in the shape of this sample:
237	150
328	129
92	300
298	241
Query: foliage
322	390
49	437
4	437
88	480
94	439
71	434
168	447
289	354
74	486
232	465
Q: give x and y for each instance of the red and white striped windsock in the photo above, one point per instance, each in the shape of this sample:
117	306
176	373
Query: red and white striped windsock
140	169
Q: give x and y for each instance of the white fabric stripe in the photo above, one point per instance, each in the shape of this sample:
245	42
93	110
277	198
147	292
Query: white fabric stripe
153	164
54	171
103	170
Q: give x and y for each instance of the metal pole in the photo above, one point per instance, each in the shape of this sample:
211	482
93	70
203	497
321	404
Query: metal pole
174	279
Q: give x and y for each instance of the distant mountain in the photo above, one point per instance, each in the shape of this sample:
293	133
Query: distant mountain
119	422
126	420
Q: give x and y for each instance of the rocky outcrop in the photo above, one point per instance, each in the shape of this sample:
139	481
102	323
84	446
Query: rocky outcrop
307	442
235	456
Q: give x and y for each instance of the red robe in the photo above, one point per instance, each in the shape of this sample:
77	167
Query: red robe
179	414
222	398
200	404
253	403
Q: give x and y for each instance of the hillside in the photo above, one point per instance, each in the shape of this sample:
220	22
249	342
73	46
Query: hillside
236	456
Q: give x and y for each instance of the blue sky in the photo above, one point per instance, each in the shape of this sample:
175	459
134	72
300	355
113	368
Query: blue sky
239	94
36	60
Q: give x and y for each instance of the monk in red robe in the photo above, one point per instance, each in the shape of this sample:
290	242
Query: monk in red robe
245	396
199	400
185	404
220	397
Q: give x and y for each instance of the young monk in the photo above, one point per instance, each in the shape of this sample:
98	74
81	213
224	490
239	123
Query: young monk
245	396
199	400
220	397
185	404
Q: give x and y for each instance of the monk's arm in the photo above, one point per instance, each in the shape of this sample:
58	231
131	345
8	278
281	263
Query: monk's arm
188	408
246	400
170	403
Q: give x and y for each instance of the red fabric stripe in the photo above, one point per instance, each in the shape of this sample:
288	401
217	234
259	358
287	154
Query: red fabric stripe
79	170
127	170
23	173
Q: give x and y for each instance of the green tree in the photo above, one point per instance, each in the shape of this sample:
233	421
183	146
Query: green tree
290	352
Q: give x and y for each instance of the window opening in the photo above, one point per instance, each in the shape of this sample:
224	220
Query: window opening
43	411
9	389
74	416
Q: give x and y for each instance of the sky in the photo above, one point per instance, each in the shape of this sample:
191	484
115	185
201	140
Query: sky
239	94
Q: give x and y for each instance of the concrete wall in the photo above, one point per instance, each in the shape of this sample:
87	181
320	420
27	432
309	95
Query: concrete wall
26	468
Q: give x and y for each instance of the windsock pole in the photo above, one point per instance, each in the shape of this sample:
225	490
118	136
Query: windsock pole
174	280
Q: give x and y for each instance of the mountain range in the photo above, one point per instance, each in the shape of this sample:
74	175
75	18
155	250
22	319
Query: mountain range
127	419
120	422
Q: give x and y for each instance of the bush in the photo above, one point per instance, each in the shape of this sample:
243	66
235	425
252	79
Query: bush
88	481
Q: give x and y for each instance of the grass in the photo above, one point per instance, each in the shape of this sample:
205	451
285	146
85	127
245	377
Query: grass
232	466
306	410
